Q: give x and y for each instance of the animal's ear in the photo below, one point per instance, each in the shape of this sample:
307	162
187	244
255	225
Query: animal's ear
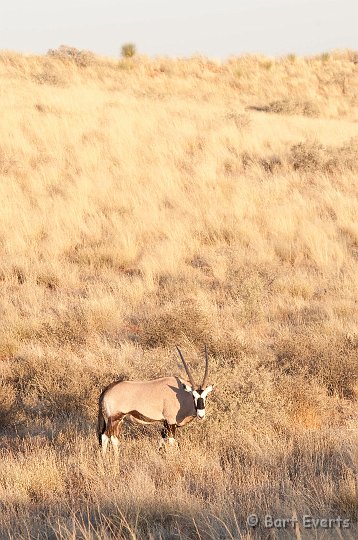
187	388
207	390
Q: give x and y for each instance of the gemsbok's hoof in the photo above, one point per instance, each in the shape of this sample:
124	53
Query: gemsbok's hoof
172	442
167	445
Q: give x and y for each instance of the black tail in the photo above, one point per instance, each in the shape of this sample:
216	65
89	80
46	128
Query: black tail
101	426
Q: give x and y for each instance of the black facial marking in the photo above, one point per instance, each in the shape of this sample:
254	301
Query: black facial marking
200	403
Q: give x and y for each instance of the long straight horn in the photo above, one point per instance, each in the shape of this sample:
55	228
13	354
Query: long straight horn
186	368
206	368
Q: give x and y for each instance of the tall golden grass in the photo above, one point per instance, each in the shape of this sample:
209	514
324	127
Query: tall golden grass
149	202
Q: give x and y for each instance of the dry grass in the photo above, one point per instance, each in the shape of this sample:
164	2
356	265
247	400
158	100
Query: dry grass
150	202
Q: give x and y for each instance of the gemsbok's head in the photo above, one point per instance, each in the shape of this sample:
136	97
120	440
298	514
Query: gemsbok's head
200	392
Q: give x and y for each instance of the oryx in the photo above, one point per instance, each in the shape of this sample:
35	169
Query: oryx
170	400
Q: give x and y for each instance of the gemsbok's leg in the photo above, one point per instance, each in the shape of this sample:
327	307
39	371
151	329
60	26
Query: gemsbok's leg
114	437
115	444
171	434
113	430
168	435
106	435
164	436
104	443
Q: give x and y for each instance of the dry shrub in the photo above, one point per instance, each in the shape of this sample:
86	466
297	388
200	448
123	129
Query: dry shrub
66	328
249	286
49	280
343	158
314	352
99	255
9	344
66	391
73	324
346	496
57	386
7	405
307	403
47	77
313	156
173	323
308	156
81	58
37	474
315	454
290	107
128	50
271	164
287	106
241	121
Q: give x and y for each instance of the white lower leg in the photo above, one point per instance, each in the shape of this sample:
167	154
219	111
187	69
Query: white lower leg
161	443
115	442
168	441
105	440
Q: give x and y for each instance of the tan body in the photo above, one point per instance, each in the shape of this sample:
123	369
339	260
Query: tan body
157	400
170	400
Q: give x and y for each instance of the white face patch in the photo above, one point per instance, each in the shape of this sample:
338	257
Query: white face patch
199	404
199	399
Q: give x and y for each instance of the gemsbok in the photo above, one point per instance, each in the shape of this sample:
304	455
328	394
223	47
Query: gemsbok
170	400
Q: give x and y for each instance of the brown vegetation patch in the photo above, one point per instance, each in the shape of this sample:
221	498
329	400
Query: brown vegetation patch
7	405
289	107
173	323
312	156
311	350
81	58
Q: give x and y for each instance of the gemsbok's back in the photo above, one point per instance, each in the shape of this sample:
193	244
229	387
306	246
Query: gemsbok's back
169	400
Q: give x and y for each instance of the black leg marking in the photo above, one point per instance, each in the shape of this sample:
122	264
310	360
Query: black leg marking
165	430
168	436
168	430
172	430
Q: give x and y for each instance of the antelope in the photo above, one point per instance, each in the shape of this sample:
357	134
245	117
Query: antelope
170	400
